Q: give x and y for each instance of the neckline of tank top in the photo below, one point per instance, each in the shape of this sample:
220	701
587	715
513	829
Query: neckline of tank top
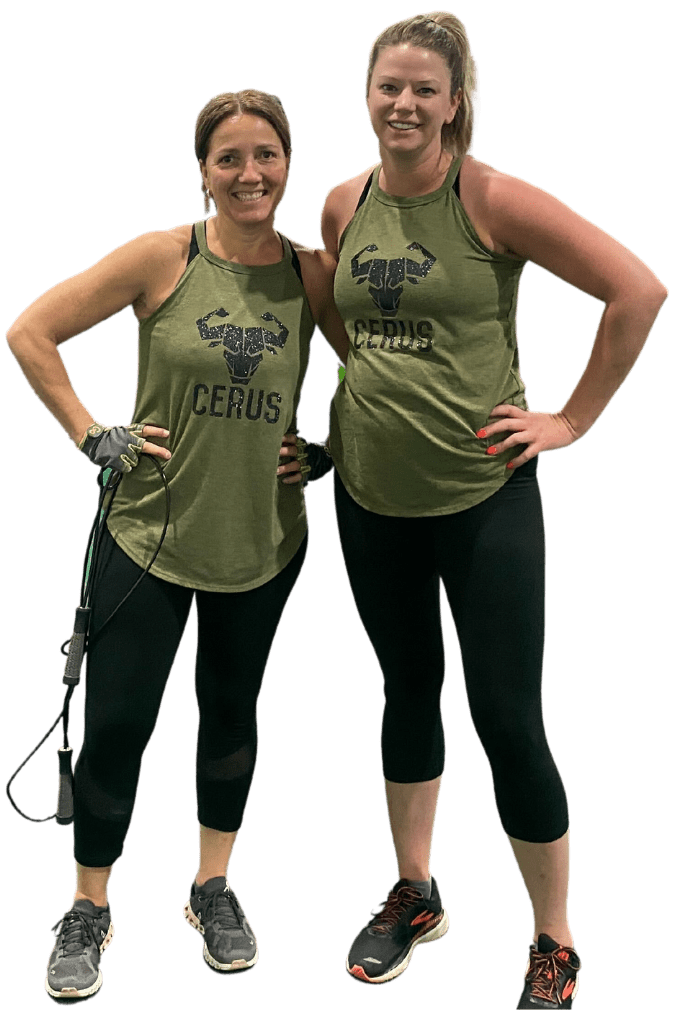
415	201
241	268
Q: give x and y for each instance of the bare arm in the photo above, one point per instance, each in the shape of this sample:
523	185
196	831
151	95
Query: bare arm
318	270
141	273
540	228
330	223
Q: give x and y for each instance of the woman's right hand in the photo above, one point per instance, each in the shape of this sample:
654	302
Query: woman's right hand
118	447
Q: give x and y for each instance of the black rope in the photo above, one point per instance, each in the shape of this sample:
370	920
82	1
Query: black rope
90	576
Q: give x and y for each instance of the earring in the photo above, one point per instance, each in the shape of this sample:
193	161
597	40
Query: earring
207	198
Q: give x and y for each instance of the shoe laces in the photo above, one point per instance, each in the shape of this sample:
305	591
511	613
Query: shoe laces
77	932
396	904
225	909
543	974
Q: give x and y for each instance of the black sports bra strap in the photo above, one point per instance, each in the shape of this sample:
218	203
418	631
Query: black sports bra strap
364	192
194	248
295	263
456	184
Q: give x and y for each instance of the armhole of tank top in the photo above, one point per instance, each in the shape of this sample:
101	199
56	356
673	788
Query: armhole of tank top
456	183
295	262
362	198
194	248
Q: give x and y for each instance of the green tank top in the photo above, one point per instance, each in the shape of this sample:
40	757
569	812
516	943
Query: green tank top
221	364
429	311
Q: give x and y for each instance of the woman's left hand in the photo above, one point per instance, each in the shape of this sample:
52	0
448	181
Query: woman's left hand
537	431
289	448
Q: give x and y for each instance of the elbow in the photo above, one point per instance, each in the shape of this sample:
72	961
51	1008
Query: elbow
644	301
663	295
653	294
14	338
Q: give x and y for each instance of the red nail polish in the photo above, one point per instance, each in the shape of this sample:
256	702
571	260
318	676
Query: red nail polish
491	451
510	466
481	433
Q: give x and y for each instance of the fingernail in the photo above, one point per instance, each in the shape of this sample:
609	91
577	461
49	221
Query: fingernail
481	433
510	466
279	469
491	451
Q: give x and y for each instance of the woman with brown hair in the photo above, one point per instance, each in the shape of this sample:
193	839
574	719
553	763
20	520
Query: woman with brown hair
226	309
436	453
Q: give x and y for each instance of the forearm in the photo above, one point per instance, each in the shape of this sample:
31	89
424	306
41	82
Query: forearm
41	363
623	330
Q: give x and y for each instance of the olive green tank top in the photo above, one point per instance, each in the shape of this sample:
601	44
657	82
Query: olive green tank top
429	311
221	364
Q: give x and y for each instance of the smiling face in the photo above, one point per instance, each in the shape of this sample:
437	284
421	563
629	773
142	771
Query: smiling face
409	99
245	168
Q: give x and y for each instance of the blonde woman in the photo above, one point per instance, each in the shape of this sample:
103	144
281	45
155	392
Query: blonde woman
436	454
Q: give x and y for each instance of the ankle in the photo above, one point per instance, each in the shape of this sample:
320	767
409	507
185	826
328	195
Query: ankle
560	933
201	878
100	900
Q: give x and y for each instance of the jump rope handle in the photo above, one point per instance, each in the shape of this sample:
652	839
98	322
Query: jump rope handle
76	649
64	807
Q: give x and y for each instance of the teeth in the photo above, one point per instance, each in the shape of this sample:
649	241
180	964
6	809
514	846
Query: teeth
404	126
250	197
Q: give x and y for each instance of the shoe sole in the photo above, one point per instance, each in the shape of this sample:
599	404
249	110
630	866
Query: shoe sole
72	993
433	934
235	965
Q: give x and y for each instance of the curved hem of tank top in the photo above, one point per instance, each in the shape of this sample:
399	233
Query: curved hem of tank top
253	584
444	511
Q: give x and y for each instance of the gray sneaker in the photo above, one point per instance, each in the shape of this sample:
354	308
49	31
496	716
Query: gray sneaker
73	968
229	942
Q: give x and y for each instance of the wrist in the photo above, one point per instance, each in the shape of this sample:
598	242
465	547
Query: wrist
92	430
573	428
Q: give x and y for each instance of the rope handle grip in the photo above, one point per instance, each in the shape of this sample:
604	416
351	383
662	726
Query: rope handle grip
76	649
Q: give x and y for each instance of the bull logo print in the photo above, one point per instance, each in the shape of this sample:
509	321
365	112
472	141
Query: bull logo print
386	277
243	347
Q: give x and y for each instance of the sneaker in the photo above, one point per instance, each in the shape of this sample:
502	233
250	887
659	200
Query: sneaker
229	942
551	977
383	948
73	968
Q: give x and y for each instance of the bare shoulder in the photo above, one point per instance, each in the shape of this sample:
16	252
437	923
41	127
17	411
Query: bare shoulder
160	258
312	259
478	185
339	209
315	263
163	247
346	195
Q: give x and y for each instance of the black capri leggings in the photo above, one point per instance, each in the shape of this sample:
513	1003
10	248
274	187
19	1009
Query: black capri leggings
490	558
127	670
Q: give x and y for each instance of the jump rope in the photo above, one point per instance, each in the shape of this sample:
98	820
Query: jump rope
80	641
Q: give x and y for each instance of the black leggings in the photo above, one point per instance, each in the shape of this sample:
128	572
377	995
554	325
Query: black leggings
127	670
490	559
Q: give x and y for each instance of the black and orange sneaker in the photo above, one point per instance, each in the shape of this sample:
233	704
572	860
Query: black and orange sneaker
551	976
383	948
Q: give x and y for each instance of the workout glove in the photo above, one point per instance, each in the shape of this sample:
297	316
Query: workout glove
315	460
116	447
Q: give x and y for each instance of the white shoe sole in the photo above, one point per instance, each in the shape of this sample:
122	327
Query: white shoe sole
235	965
71	993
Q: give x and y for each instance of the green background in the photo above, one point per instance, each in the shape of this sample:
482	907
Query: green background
101	102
